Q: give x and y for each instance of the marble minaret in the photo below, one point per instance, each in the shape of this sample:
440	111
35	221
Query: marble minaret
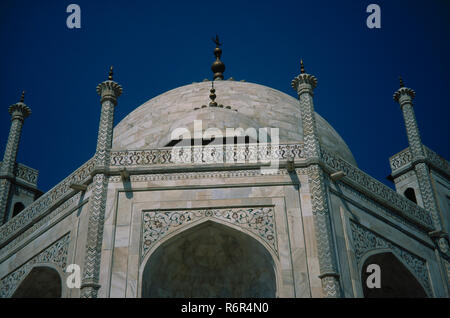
18	112
109	92
404	96
304	85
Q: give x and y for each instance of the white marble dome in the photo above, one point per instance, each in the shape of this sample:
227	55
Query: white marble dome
252	105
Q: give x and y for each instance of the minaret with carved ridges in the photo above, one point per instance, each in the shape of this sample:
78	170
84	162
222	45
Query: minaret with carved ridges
109	92
304	85
18	112
404	96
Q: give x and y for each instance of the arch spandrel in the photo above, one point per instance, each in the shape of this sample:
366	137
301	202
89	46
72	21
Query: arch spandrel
367	244
398	280
259	222
41	281
54	256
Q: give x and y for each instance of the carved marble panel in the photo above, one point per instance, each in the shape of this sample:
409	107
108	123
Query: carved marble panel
379	191
365	240
55	254
42	205
250	153
158	224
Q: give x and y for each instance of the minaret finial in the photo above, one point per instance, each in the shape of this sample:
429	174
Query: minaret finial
218	67
111	73
22	98
302	67
401	82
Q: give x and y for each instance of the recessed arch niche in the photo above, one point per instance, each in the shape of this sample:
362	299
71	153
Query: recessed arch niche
41	282
209	260
396	279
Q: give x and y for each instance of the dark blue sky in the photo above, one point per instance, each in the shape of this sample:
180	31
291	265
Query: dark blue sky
159	45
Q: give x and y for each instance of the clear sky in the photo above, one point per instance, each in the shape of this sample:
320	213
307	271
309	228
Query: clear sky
156	46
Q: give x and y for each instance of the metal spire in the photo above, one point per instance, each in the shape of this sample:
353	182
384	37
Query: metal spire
212	96
22	98
401	82
218	67
302	67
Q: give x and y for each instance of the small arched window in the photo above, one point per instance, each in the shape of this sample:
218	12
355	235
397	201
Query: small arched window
18	207
410	194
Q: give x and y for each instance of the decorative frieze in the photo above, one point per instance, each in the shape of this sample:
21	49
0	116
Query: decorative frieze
401	159
365	240
244	153
24	173
42	205
71	203
404	158
55	254
372	205
198	175
379	191
158	224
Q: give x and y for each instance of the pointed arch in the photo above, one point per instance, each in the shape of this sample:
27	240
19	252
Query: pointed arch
209	259
398	280
410	194
18	207
42	281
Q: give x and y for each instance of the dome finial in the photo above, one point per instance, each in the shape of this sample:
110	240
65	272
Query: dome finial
401	82
302	67
22	98
218	67
111	73
216	41
213	96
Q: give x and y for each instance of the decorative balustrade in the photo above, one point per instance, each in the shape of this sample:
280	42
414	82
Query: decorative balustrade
401	159
44	203
210	154
380	192
437	161
25	174
404	157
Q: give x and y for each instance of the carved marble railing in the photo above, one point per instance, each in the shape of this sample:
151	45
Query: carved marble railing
25	174
404	157
437	161
400	159
250	153
378	191
45	203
